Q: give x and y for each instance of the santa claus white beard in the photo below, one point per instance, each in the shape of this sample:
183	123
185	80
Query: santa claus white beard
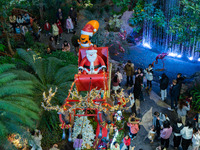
91	58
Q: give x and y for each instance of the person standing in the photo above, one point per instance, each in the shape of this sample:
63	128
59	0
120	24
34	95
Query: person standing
74	41
149	76
59	25
119	75
157	124
186	133
129	69
47	28
73	15
78	142
134	127
183	107
179	80
127	142
174	94
69	24
196	139
164	81
115	83
59	15
165	134
177	127
55	31
138	88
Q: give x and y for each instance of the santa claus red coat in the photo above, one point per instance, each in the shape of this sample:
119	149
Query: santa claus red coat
92	63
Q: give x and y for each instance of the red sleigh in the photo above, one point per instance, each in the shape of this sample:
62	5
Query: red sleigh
86	82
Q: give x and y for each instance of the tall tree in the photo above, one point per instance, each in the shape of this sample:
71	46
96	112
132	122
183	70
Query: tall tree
5	10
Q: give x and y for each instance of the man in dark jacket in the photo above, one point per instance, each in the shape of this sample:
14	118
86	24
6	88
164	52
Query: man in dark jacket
129	69
179	80
164	81
73	15
174	94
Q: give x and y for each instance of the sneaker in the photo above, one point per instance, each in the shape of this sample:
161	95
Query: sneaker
170	109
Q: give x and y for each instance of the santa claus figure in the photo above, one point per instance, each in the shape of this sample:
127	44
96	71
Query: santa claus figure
92	63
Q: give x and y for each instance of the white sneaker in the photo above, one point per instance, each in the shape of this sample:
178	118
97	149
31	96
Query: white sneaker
170	109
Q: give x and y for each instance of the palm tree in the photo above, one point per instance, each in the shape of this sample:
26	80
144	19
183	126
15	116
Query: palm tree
46	73
17	108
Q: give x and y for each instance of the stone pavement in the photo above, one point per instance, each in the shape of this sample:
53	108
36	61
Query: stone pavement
151	104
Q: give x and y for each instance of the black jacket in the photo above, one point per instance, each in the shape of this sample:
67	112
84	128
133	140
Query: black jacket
164	83
175	91
177	129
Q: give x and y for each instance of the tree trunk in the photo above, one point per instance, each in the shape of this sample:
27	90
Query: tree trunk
41	10
7	39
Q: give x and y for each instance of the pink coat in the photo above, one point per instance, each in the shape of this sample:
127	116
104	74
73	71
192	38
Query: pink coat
69	24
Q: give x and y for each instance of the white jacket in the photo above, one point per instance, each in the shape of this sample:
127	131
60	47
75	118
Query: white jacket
186	133
195	139
149	76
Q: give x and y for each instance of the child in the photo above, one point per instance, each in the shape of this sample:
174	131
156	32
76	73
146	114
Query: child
195	139
134	127
127	142
149	76
119	76
69	24
78	142
151	135
17	30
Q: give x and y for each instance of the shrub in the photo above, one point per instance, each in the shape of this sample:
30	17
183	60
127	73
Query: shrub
68	57
115	23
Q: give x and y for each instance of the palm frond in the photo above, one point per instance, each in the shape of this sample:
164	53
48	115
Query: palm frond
6	67
6	77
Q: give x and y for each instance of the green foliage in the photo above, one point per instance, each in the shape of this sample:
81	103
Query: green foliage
114	23
29	40
67	57
46	73
186	24
195	99
147	12
120	136
2	47
17	108
121	2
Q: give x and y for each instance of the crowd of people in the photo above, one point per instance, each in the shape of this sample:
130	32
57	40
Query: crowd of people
186	131
24	23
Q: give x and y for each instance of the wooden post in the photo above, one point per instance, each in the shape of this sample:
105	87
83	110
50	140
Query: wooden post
109	81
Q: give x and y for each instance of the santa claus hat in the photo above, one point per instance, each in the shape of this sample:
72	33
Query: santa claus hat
88	29
91	49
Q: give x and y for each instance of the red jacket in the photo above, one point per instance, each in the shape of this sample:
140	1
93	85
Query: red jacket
59	27
127	142
47	28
